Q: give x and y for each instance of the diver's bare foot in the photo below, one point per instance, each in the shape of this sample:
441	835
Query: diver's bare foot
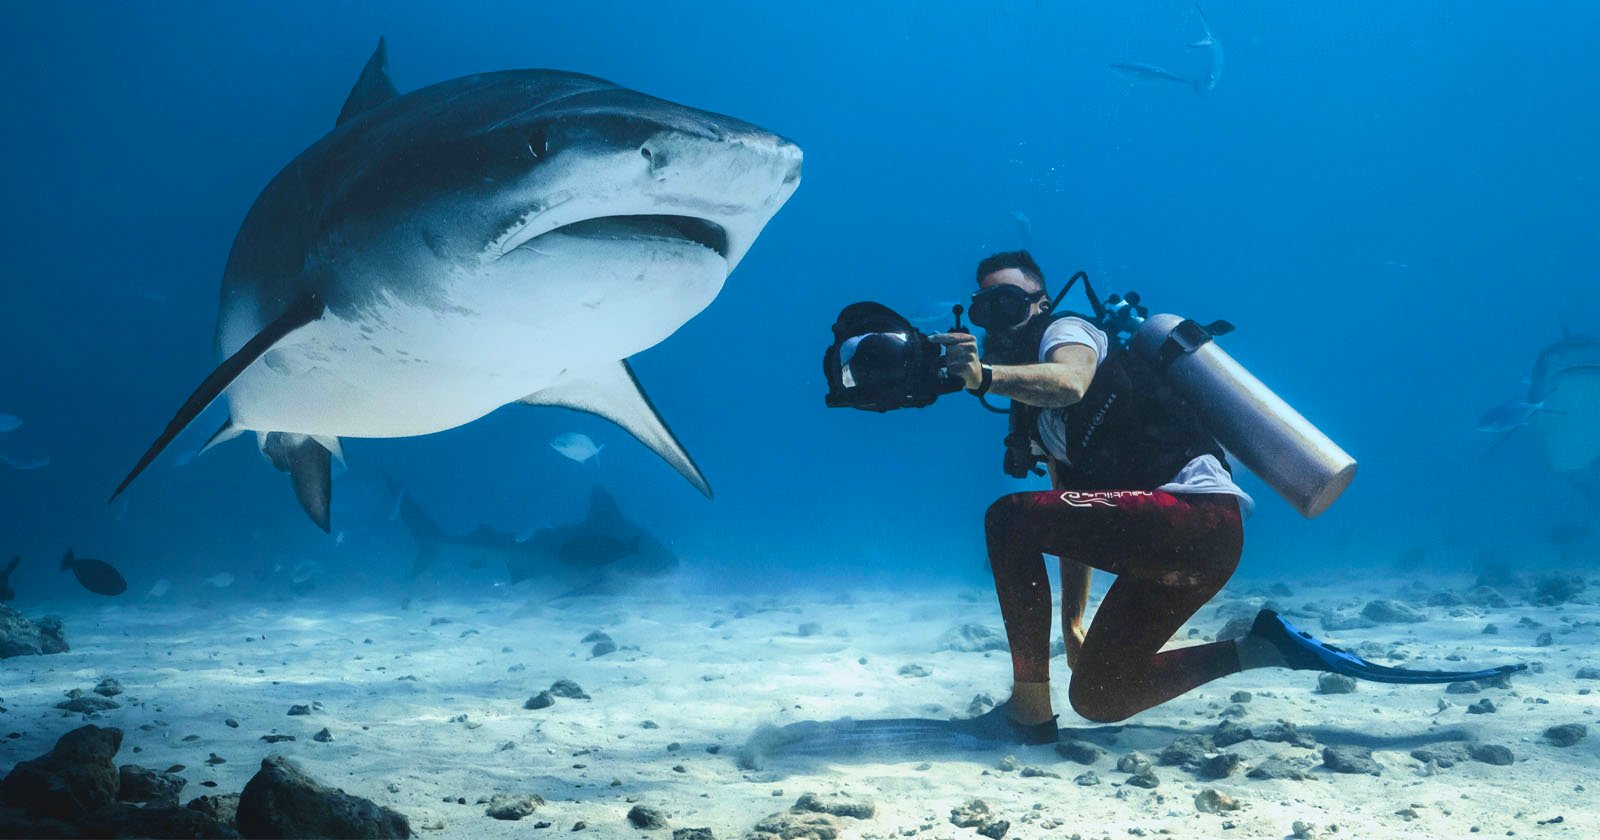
1030	703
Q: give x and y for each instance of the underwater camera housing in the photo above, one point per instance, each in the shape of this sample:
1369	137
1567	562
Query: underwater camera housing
880	362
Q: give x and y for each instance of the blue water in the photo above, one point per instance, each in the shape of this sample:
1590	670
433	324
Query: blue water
1394	202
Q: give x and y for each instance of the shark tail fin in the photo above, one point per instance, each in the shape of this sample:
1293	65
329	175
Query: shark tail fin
613	392
303	311
423	530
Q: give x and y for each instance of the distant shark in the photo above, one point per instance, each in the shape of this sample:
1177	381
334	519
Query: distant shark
605	542
500	238
1563	407
1139	71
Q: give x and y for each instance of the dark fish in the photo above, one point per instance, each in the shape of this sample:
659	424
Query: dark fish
6	592
1513	414
596	550
1566	533
96	576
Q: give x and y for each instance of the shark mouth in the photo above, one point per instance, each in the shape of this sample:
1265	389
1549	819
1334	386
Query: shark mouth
660	228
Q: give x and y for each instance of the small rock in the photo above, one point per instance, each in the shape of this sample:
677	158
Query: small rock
1490	754
1276	768
838	806
1463	687
568	689
646	818
1145	778
1303	830
1132	763
323	736
1079	751
147	786
1544	639
1557	588
542	700
1482	707
1350	759
1444	755
972	638
1240	697
693	834
810	628
231	723
1088	779
980	703
108	687
914	670
1230	732
1186	751
1388	611
1335	684
1566	734
277	739
602	648
1029	772
88	704
1219	766
1213	801
299	709
282	801
505	806
1587	673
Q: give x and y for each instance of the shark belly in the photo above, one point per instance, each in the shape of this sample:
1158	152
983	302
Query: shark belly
483	338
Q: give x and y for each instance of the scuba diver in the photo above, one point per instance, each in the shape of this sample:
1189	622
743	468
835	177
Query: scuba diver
1141	489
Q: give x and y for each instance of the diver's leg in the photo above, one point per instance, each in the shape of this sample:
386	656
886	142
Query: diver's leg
1171	555
1023	587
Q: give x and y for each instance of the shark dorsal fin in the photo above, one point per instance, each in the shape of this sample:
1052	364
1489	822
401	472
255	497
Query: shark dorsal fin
603	511
372	89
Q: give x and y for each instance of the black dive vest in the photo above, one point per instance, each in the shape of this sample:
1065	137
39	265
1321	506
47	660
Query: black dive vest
1130	431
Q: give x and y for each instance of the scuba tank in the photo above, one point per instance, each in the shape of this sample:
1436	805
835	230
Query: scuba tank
1258	428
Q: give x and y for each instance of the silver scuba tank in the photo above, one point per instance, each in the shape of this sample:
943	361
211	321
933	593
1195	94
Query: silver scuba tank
1257	427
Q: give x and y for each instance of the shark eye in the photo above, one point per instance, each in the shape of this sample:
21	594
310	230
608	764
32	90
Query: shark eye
538	143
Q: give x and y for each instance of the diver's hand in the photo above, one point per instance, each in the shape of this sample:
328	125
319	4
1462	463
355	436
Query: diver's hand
961	356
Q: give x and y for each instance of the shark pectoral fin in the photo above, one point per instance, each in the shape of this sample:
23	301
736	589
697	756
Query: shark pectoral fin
373	88
331	444
615	394
303	311
310	469
228	432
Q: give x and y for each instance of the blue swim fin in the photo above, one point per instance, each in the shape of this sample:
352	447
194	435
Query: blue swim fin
1307	654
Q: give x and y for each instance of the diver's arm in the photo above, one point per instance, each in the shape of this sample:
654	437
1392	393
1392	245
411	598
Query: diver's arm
1055	383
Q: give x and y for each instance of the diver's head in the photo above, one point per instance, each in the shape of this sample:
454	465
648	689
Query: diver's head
1011	298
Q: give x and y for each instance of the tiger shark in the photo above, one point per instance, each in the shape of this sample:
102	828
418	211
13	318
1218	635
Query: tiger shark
500	238
1562	407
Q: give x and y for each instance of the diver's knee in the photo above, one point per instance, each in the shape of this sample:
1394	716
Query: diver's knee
1003	513
1100	702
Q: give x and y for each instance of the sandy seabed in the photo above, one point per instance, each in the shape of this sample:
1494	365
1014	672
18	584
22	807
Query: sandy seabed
425	706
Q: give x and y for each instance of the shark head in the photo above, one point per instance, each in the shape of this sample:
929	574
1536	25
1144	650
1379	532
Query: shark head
498	238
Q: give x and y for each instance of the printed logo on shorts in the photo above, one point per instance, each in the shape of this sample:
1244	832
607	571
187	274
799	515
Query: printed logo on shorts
1104	498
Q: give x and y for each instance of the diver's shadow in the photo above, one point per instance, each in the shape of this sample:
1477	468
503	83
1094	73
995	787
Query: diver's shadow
804	744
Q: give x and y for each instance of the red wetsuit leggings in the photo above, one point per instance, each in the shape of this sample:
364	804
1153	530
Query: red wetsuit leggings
1170	554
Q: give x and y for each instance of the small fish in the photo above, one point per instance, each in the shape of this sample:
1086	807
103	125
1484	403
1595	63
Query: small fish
938	316
1513	414
596	550
221	580
6	592
96	576
1214	73
1024	226
579	447
305	570
162	587
27	461
1138	71
9	423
